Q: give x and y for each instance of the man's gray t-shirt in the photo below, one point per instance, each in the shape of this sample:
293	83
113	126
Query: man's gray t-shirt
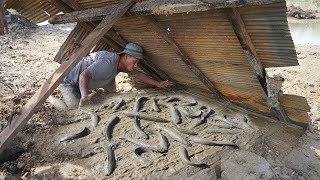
102	66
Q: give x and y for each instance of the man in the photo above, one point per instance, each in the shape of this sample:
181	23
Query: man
98	70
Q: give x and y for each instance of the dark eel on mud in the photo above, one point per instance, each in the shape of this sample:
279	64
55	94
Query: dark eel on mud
203	141
83	133
175	135
185	157
109	127
111	159
145	117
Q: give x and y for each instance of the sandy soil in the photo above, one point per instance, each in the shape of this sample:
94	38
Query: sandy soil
268	149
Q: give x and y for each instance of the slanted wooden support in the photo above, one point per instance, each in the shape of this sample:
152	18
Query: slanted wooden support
52	83
247	46
155	25
252	56
157	7
3	22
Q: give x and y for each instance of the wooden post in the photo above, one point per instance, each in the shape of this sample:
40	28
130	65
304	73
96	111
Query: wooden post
3	22
52	83
155	25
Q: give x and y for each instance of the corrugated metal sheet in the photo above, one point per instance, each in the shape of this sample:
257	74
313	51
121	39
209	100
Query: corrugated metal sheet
35	11
135	29
76	36
208	39
96	3
269	31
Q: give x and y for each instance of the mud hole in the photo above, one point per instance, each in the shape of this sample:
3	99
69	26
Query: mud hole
268	149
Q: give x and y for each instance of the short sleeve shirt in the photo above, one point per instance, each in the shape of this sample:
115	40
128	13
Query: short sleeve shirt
102	66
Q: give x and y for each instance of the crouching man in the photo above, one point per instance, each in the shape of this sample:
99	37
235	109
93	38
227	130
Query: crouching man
98	70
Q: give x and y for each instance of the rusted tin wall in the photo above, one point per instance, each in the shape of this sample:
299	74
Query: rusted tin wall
35	11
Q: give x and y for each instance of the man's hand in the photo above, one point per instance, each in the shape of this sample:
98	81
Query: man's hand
164	84
86	100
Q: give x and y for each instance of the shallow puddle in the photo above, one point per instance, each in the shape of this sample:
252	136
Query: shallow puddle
305	33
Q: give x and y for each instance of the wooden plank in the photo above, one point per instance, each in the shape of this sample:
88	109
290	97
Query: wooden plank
155	25
3	22
52	83
294	102
159	7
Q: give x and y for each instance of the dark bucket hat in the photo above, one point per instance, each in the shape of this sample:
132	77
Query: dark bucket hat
133	50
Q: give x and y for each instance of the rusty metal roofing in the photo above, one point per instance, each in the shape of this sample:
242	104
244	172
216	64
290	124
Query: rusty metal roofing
208	39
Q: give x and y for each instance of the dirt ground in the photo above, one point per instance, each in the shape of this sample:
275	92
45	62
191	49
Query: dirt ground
268	149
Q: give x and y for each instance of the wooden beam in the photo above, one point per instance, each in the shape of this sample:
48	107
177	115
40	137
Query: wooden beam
247	46
158	7
252	56
52	83
155	25
3	21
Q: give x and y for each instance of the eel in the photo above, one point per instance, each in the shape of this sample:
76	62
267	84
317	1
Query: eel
185	157
203	141
137	127
244	121
110	160
192	103
162	147
188	113
108	129
175	114
173	99
203	118
81	134
118	105
184	131
221	125
155	106
138	106
164	142
151	147
175	135
144	162
222	131
94	118
145	117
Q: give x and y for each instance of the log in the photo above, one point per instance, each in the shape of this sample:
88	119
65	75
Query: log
52	83
158	7
155	25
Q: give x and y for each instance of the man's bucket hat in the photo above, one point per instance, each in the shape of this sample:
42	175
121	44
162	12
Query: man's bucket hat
133	50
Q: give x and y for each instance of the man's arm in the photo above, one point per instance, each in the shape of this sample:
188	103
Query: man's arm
143	77
84	83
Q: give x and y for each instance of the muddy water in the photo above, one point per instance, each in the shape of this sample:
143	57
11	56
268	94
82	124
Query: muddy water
305	33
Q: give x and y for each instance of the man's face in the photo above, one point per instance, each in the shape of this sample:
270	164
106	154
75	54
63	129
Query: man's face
132	62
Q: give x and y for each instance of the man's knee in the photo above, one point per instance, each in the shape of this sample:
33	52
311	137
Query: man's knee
71	95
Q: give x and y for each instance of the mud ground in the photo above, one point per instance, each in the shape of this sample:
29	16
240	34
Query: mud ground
268	149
